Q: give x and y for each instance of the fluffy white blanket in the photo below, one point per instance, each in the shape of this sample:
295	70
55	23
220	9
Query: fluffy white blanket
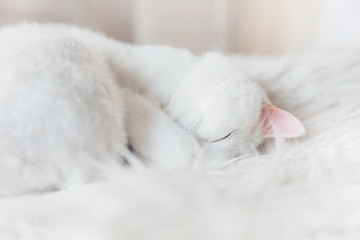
306	188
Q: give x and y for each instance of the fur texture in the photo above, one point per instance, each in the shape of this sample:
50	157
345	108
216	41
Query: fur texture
304	188
73	100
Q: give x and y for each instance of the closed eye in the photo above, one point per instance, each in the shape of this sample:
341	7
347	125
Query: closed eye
220	139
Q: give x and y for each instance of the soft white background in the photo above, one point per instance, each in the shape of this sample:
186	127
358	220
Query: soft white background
246	26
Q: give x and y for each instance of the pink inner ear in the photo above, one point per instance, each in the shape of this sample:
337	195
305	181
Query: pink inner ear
279	123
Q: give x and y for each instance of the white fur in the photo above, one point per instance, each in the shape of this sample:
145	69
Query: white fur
71	101
300	189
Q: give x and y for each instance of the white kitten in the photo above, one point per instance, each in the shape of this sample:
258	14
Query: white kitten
71	100
223	107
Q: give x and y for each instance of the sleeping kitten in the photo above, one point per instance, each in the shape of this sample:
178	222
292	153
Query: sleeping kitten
72	100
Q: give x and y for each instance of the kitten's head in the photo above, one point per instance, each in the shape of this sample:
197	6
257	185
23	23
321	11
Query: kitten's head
226	109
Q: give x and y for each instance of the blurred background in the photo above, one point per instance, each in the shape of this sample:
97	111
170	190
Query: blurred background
267	27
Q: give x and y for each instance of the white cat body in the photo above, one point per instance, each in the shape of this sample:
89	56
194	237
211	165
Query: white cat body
71	100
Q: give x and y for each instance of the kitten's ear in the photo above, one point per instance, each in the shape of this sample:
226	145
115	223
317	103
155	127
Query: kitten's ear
279	123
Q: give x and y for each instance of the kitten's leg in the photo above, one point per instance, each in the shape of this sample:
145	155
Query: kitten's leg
155	136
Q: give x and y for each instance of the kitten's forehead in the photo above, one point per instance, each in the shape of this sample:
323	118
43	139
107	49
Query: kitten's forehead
217	66
228	99
214	67
215	62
